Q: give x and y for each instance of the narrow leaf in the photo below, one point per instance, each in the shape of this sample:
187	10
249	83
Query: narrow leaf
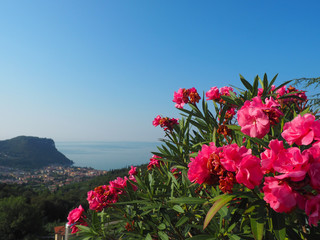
278	224
182	221
257	228
246	83
215	208
187	200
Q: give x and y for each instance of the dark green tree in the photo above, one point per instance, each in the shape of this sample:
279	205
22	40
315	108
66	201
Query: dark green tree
18	219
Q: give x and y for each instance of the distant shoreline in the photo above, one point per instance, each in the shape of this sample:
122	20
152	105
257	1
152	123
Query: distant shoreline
107	155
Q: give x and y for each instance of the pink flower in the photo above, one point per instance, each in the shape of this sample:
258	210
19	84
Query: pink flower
118	185
184	96
314	174
225	91
76	217
255	117
292	164
302	130
313	153
269	156
252	119
101	197
154	162
213	94
233	155
313	210
249	172
156	121
133	171
199	171
281	91
180	98
279	195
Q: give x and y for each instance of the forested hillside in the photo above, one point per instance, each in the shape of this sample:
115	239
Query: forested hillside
28	213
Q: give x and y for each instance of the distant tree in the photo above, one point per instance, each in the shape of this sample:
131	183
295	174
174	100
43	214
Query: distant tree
18	219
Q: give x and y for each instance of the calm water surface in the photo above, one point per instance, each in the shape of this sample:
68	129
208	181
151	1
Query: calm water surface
107	155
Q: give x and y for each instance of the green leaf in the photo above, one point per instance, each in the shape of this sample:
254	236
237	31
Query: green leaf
234	127
178	208
278	225
255	86
257	228
234	237
162	226
163	235
216	207
84	228
148	237
246	83
272	81
202	237
229	100
182	221
187	200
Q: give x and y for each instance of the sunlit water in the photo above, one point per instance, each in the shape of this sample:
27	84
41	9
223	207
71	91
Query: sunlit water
107	155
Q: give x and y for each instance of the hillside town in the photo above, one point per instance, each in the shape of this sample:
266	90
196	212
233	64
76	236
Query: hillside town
51	177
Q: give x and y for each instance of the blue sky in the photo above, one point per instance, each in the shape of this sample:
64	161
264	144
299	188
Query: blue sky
102	70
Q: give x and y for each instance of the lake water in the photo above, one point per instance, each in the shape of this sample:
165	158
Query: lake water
107	155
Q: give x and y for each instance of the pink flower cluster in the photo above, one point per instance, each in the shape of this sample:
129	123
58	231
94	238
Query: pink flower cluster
165	122
154	162
302	130
285	91
184	96
296	176
215	94
105	195
225	165
101	197
76	217
255	117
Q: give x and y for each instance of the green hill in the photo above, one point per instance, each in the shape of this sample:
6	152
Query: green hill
31	153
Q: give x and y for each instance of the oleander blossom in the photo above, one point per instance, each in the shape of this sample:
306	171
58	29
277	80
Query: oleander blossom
249	172
200	170
102	197
213	94
225	91
118	185
279	195
287	163
313	154
302	130
253	121
225	166
166	123
255	117
133	171
154	162
312	209
76	217
184	96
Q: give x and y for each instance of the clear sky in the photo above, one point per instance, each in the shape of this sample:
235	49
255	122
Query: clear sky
102	70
